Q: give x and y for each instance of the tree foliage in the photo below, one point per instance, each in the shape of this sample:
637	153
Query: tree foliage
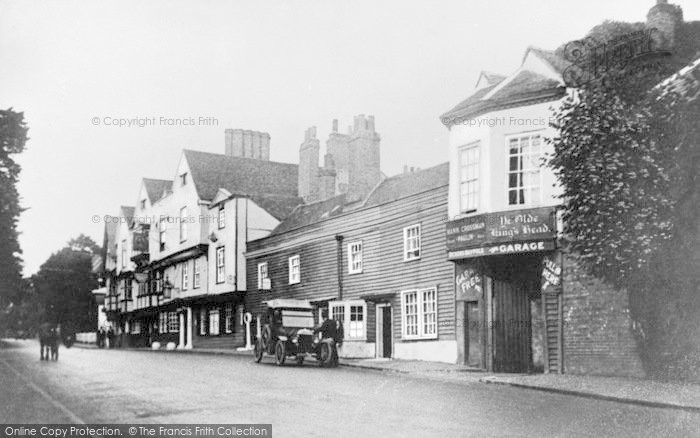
628	157
64	286
13	137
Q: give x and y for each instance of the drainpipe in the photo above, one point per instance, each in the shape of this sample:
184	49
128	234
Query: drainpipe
339	240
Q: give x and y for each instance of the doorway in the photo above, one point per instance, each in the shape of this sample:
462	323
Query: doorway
384	331
473	334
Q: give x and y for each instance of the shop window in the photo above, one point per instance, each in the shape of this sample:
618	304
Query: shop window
353	315
202	321
228	318
173	322
214	321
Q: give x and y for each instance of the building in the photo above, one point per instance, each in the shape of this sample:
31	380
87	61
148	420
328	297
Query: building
373	255
179	273
522	303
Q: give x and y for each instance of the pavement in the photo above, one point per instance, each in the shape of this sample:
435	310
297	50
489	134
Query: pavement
641	392
96	386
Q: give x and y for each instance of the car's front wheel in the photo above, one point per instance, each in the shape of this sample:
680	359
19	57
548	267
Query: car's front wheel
280	353
258	350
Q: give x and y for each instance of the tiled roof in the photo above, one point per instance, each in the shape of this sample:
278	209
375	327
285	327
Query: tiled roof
156	187
240	176
311	213
278	206
407	184
128	213
389	190
526	87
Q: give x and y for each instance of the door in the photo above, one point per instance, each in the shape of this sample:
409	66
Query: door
386	331
474	334
384	334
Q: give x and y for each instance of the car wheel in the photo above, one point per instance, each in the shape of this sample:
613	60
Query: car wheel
326	355
258	351
280	353
300	360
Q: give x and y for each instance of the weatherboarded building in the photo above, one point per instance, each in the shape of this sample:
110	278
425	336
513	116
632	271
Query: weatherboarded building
376	262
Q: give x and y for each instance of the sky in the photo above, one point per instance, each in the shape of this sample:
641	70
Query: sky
76	67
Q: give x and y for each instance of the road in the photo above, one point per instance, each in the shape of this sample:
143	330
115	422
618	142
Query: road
117	386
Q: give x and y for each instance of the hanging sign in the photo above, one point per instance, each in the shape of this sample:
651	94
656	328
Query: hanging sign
551	274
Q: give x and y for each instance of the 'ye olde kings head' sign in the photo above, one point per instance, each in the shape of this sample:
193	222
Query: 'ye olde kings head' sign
467	284
504	232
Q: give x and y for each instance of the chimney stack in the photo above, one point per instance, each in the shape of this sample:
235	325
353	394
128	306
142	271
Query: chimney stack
248	144
308	167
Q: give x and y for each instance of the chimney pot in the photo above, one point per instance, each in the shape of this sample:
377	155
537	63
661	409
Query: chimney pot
335	125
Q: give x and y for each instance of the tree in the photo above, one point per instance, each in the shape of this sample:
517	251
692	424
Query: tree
13	137
628	158
64	286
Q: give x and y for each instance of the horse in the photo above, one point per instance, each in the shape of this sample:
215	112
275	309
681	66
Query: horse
49	335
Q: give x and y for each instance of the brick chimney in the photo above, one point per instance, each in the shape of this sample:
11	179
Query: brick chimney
247	143
363	158
308	167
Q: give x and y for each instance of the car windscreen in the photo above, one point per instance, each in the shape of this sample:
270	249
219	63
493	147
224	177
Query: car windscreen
297	318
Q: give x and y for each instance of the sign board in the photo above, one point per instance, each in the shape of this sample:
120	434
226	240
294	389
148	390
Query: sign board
140	240
468	284
551	274
505	232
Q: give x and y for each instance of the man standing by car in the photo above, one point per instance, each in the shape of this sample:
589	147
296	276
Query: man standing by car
331	329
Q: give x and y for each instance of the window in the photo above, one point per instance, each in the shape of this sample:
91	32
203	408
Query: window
294	270
220	264
161	233
419	313
173	322
143	204
355	257
353	315
214	321
183	179
222	216
262	276
128	288
197	274
185	276
469	178
202	321
228	318
135	327
524	155
163	322
411	243
183	224
124	253
157	284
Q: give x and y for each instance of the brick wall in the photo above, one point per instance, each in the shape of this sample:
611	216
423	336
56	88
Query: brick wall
598	337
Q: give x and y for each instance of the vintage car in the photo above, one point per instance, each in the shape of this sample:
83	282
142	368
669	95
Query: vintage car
288	330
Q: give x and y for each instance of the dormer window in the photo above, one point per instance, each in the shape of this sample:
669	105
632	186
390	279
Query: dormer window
183	179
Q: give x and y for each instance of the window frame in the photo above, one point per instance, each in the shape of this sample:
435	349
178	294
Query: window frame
261	277
123	253
406	257
203	321
420	314
475	146
196	274
214	311
347	315
222	216
351	264
173	322
292	278
161	233
185	278
183	179
228	318
220	264
521	171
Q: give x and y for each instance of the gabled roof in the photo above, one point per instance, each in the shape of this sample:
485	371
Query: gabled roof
240	176
156	187
522	87
389	190
127	213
